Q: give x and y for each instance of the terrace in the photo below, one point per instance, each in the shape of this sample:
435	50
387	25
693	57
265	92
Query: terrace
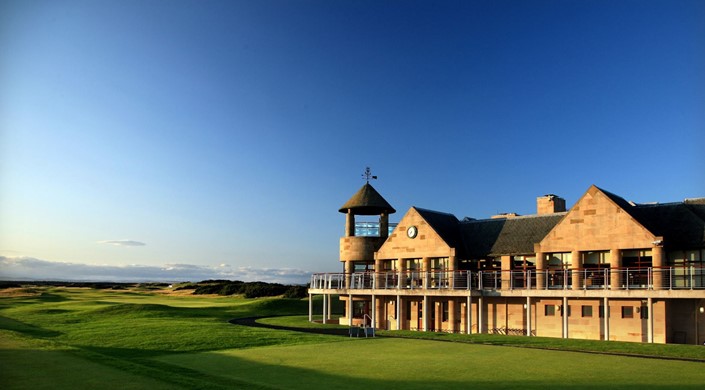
664	278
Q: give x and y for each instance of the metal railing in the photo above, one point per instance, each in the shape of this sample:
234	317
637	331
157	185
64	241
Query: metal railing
661	278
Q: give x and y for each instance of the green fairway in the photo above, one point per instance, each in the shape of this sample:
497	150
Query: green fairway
421	364
88	339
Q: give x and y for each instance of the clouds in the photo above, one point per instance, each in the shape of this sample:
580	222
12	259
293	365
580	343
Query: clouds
122	242
28	268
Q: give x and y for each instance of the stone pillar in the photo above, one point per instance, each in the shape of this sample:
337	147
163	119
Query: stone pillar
439	316
506	272
480	317
650	319
451	315
577	269
468	327
606	317
349	268
564	312
540	271
658	260
452	266
426	263
615	265
402	313
310	307
384	225
463	318
350	310
349	224
380	313
378	275
325	308
528	316
398	314
401	269
424	313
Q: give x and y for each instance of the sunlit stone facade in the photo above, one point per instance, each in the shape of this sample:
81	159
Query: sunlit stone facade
606	269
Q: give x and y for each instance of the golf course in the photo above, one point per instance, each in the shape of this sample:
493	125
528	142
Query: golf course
141	338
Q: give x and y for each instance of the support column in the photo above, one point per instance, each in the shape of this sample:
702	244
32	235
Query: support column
650	319
384	224
452	266
506	272
349	269
451	315
373	308
657	262
325	306
468	328
424	313
480	318
310	307
564	312
378	277
577	269
426	264
540	271
606	317
438	325
615	265
401	268
398	313
378	311
349	224
528	316
350	310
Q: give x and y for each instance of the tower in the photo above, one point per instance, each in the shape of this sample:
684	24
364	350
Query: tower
360	249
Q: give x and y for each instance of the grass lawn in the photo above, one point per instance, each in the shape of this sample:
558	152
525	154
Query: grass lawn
88	339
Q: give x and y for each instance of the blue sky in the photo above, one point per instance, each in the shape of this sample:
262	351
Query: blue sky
228	133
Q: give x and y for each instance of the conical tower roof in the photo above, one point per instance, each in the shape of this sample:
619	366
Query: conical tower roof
367	201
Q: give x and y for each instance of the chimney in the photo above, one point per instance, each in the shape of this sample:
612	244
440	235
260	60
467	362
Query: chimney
549	204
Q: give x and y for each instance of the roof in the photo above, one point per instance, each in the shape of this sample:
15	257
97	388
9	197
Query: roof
367	201
512	236
681	224
445	224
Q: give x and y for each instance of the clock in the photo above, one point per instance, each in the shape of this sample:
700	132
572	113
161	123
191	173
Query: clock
412	231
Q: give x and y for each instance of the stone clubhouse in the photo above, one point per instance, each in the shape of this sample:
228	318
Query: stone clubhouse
605	269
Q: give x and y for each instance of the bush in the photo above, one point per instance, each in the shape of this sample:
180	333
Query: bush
296	292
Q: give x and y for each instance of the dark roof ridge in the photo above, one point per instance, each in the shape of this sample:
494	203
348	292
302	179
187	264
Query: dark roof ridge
517	217
433	211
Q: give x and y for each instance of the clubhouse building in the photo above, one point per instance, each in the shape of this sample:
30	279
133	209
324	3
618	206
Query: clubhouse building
605	269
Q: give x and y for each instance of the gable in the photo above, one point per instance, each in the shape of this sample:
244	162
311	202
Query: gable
427	243
598	221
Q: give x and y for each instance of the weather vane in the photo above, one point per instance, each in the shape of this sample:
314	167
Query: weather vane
368	175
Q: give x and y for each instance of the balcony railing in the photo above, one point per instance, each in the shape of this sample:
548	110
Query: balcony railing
664	278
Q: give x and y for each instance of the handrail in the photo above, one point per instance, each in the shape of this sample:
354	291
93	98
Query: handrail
608	278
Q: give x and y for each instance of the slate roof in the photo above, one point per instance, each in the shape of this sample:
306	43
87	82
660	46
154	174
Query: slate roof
511	236
445	224
367	201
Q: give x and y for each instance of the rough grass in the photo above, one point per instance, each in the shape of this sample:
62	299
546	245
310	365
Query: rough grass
82	338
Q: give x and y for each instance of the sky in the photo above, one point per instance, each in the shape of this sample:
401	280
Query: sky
186	140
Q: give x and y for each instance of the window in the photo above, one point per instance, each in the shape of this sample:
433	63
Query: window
586	311
549	310
408	310
444	307
627	312
559	260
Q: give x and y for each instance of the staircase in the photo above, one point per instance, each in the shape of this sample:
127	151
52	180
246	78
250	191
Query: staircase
364	329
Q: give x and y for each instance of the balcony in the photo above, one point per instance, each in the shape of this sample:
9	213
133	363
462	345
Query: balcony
665	278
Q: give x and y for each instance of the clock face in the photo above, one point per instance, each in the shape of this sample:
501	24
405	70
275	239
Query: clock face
411	231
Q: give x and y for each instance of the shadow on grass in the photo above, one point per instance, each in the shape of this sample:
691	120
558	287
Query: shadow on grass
26	329
252	322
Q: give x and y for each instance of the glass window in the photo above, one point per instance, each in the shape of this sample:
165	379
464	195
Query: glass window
559	260
586	311
549	310
627	312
